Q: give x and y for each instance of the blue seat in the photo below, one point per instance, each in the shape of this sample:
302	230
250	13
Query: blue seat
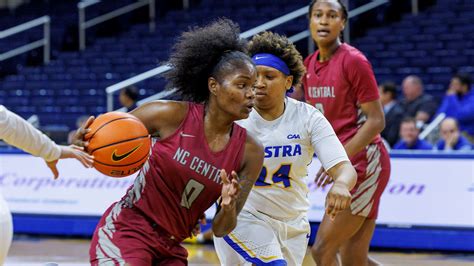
436	70
414	53
445	53
429	45
409	70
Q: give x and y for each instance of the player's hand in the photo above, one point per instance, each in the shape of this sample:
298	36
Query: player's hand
230	190
337	199
78	138
322	178
74	152
197	228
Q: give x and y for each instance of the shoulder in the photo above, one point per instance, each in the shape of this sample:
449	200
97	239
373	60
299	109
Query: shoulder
158	115
398	110
3	112
301	108
427	98
352	56
253	154
304	112
252	145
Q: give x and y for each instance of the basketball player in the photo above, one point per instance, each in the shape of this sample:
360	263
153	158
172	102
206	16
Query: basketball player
340	82
273	227
201	154
17	132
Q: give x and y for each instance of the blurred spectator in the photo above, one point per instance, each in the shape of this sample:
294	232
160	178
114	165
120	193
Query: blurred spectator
79	121
393	112
128	98
409	137
451	138
415	103
459	103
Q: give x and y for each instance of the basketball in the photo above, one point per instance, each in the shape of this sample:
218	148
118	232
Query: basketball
119	142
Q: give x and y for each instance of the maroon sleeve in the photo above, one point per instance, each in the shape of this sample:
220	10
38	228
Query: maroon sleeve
362	78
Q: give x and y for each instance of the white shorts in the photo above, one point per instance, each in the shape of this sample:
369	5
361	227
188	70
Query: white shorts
262	240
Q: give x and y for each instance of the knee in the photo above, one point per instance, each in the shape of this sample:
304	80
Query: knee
322	251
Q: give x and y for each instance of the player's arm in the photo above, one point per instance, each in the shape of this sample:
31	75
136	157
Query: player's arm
362	78
17	132
237	188
374	124
161	117
334	160
339	196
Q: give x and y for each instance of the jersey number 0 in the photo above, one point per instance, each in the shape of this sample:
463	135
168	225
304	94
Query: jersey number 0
191	192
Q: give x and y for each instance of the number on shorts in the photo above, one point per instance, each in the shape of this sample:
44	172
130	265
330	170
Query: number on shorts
320	107
280	175
191	192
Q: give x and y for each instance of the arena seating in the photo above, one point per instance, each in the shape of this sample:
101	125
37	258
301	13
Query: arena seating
434	45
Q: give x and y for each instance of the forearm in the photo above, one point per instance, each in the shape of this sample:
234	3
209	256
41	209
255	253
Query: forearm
344	173
364	136
17	132
224	222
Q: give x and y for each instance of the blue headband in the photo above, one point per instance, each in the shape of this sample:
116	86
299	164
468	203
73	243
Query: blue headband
271	61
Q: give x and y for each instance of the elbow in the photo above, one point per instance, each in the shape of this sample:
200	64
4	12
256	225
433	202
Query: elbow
379	123
221	232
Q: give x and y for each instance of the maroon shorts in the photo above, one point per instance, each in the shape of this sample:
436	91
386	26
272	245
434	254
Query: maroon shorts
373	171
123	235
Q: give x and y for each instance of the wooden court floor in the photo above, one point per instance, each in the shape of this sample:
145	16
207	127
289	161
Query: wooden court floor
32	251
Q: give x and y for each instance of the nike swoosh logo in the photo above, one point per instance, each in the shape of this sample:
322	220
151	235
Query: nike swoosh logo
259	57
116	157
187	135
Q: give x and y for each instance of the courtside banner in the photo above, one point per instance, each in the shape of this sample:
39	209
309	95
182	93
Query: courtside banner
422	191
28	186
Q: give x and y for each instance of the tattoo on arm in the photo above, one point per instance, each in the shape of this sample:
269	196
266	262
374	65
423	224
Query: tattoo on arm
245	188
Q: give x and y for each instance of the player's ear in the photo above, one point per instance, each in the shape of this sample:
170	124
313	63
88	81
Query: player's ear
289	82
212	85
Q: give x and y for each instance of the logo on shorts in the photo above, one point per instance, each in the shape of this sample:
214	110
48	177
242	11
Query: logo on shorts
116	157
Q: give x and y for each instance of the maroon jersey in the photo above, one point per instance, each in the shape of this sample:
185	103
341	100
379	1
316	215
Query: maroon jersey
181	178
338	86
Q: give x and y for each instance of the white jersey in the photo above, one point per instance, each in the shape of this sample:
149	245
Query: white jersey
289	142
17	132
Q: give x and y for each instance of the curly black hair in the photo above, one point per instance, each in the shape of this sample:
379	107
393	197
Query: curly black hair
279	45
204	52
345	14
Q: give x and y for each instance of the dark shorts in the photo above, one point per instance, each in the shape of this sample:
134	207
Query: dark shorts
123	236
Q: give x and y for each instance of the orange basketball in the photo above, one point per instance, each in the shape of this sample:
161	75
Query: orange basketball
119	142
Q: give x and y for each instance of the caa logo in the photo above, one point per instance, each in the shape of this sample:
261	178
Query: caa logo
293	136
